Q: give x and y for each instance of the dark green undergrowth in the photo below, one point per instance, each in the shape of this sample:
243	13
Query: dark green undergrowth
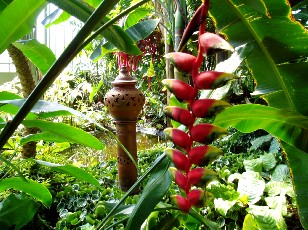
254	158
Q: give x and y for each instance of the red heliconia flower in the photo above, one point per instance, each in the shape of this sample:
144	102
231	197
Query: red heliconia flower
182	61
179	114
208	107
193	25
200	176
196	198
204	155
179	159
182	203
178	137
206	133
213	79
212	43
180	179
180	89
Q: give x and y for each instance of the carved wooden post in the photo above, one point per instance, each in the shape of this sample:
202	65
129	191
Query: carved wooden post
124	102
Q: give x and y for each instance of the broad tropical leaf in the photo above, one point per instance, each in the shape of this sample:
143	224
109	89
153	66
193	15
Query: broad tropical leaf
39	54
4	4
286	125
56	17
136	32
18	210
68	133
17	20
30	187
114	34
135	16
279	45
71	170
297	161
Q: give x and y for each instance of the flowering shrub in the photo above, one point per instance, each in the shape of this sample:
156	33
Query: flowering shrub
193	151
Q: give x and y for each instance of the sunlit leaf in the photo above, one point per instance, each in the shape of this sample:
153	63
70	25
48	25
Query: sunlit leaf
72	171
286	125
279	45
17	20
267	218
68	133
39	54
30	187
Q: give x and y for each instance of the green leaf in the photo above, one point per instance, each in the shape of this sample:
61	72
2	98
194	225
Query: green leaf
226	192
275	188
281	173
297	161
252	185
142	29
39	54
268	161
260	141
266	218
286	125
278	203
68	133
45	136
4	4
250	223
279	45
30	187
254	165
135	16
114	34
157	185
223	206
12	109
71	170
17	20
46	109
18	210
137	32
54	18
4	95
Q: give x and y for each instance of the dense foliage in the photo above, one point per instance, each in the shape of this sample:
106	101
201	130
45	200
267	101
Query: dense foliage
260	181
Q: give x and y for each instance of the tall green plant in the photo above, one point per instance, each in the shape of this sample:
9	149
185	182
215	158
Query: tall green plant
275	47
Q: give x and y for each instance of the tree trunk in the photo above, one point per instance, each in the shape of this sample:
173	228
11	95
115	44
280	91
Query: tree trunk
26	78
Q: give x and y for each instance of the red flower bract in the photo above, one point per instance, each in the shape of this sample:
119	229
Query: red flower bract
182	203
183	62
196	197
179	159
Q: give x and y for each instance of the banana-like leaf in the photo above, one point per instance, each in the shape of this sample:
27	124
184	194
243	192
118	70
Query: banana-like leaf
17	20
39	54
4	4
279	45
286	125
297	161
137	32
135	16
68	133
56	17
114	34
71	170
30	187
